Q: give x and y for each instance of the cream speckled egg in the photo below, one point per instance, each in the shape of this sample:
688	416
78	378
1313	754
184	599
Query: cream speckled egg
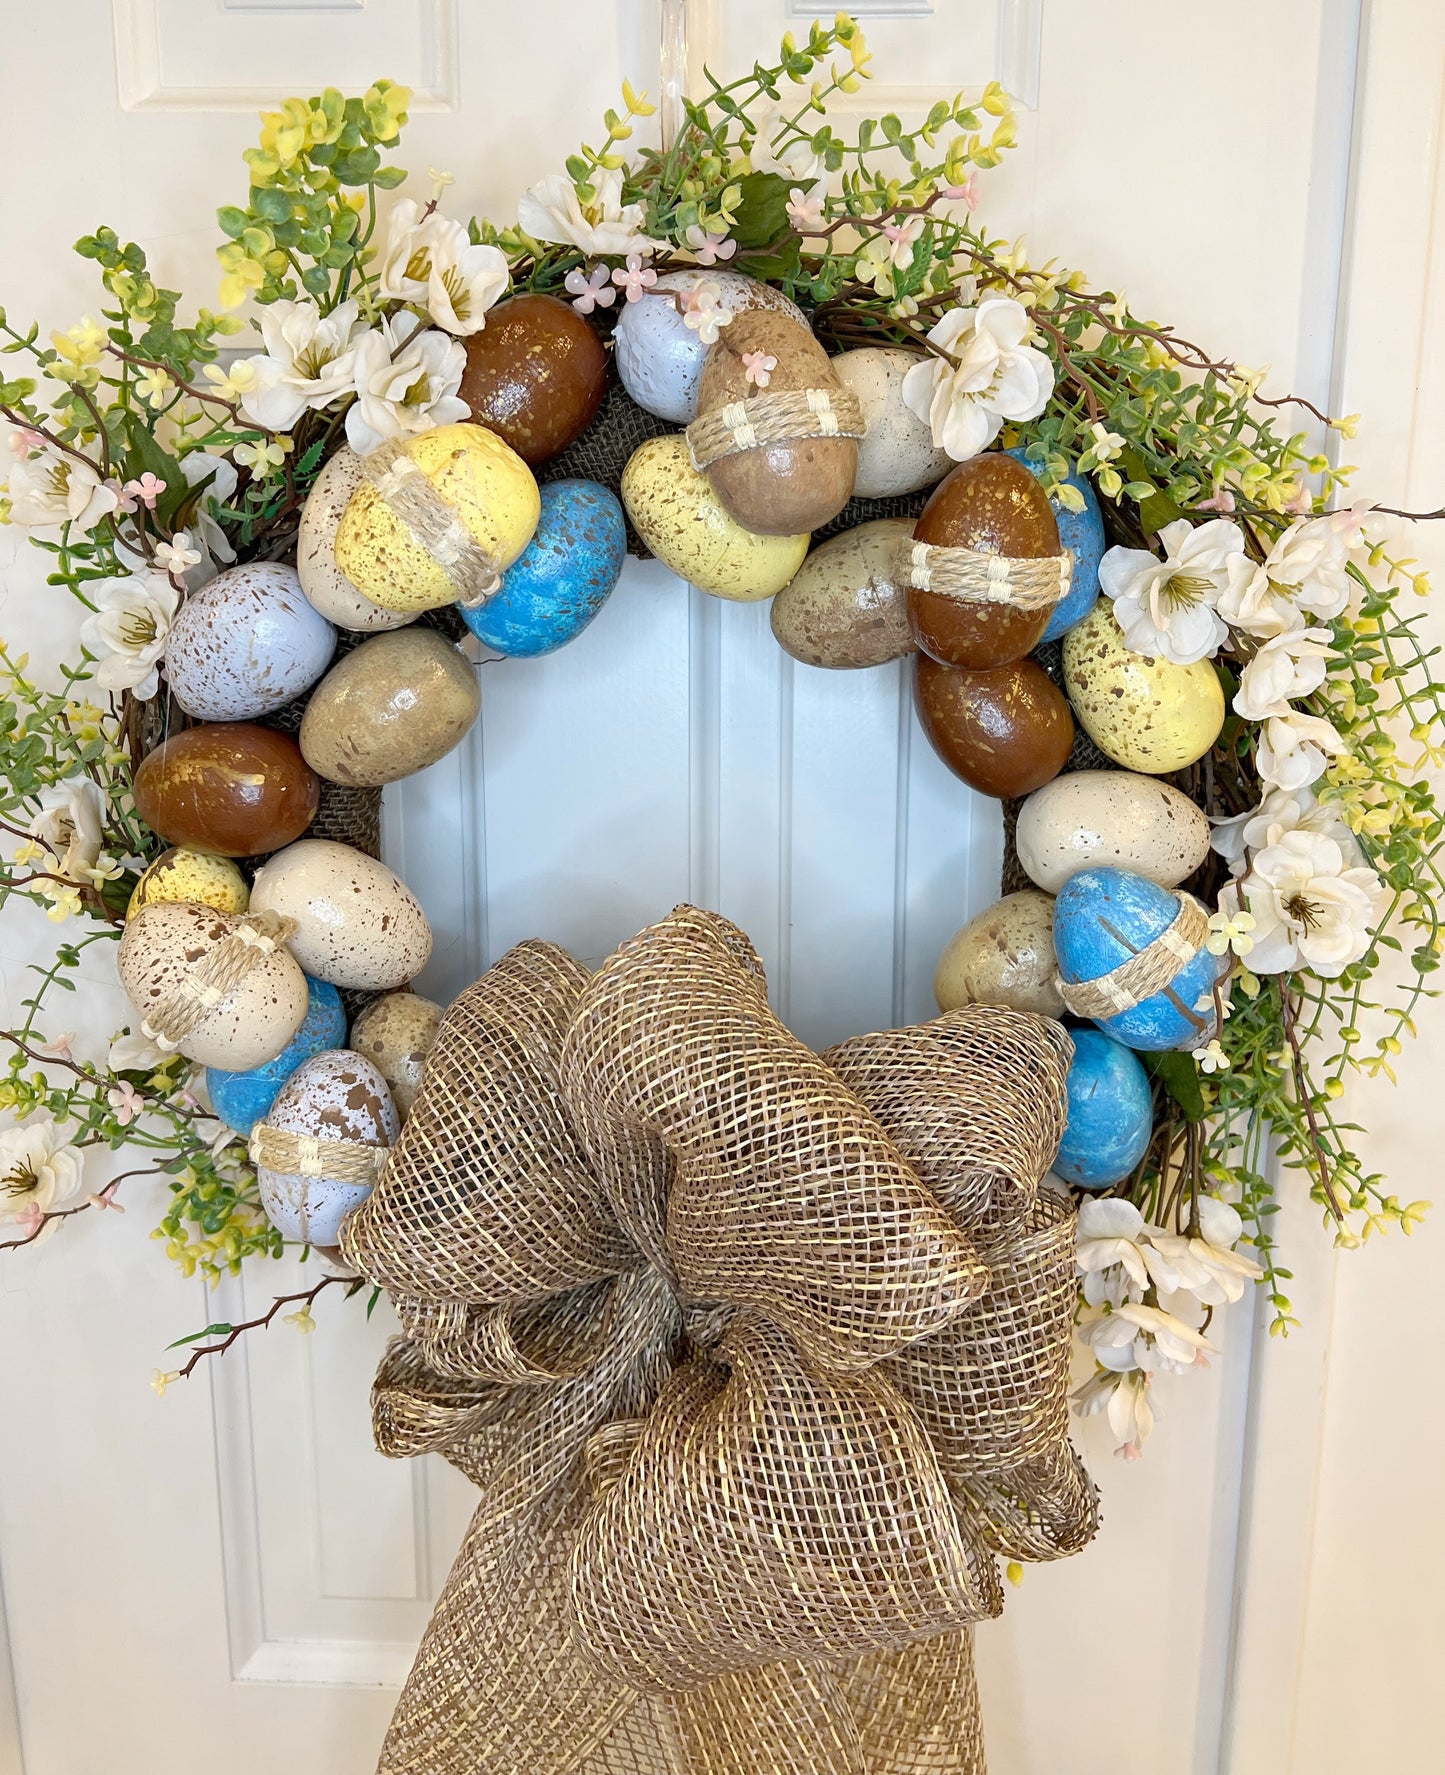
181	874
845	606
676	513
897	455
1146	714
246	643
1116	818
326	587
396	1034
356	924
165	942
1005	956
335	1095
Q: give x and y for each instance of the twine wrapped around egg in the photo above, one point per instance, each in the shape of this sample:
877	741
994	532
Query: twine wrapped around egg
1147	971
781	416
971	576
290	1154
205	983
434	524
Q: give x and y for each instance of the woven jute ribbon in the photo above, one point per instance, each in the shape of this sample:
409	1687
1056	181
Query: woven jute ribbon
780	417
972	577
1148	971
757	1357
315	1155
204	984
435	525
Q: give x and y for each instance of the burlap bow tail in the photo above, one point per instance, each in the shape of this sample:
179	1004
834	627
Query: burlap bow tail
758	1359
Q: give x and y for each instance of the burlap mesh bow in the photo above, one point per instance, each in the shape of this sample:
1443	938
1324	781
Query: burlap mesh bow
757	1358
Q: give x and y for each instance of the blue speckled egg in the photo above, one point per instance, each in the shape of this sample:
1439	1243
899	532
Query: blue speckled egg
1103	916
561	579
1083	532
241	1099
1111	1113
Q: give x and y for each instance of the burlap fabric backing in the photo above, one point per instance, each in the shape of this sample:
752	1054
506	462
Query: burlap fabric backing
757	1359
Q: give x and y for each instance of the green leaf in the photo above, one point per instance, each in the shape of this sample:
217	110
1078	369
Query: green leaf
232	220
1179	1075
389	177
763	212
271	204
224	1329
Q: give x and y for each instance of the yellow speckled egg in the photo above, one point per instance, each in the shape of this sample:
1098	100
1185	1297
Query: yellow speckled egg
676	513
485	483
181	874
1146	714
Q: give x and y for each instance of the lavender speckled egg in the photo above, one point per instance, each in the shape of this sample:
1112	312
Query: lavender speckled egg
396	1034
562	578
326	587
241	1099
246	644
335	1095
356	924
1083	534
1111	1113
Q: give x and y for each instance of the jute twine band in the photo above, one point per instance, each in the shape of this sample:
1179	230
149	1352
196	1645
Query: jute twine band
783	417
970	577
1142	975
435	526
202	987
316	1155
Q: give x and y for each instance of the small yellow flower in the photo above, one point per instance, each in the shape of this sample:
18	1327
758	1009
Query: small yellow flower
1348	426
1212	1059
160	1380
1228	933
154	386
1014	1572
302	1320
230	385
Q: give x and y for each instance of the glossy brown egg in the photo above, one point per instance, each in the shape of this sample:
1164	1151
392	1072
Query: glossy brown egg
535	375
228	788
994	505
780	489
1006	732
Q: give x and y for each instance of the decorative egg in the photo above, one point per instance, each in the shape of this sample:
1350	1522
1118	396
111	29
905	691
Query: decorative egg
1005	956
562	578
396	1034
1102	917
791	484
1112	817
660	358
845	606
202	879
1082	534
478	482
231	789
164	946
356	923
390	708
681	520
897	455
334	1096
993	506
1006	732
1111	1113
1146	714
326	587
247	643
241	1099
535	375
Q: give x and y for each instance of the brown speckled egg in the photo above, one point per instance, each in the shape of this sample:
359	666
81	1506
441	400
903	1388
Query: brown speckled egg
1006	732
845	606
356	924
396	1035
535	375
777	489
247	643
393	706
326	587
229	788
1005	956
993	505
337	1095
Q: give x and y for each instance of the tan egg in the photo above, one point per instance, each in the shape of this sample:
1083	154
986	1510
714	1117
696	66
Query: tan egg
1146	714
356	924
897	454
181	874
776	489
390	708
1005	956
1113	819
844	606
336	1095
396	1034
326	587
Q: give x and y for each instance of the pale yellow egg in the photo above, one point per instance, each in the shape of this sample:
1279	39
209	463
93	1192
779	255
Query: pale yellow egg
1147	714
188	875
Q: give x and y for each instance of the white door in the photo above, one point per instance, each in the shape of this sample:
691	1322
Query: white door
229	1578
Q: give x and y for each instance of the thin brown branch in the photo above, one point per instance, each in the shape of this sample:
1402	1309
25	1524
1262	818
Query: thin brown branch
234	1335
104	1195
211	399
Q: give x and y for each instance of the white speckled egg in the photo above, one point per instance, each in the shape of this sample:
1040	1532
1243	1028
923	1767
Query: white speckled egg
396	1034
897	454
356	923
1115	818
168	940
339	1096
246	644
660	358
1004	957
327	588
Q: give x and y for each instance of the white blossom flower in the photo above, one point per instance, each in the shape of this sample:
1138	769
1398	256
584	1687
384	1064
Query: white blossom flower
1288	667
1212	1057
704	311
432	261
1304	574
54	488
1109	1237
1125	1398
1207	1266
71	825
1167	609
1311	909
309	361
1291	750
39	1170
400	392
177	556
709	248
989	373
805	208
799	161
136	1053
552	211
1281	811
128	630
220	476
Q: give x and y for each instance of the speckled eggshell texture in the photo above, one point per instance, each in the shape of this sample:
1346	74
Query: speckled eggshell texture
229	788
393	706
1115	818
241	1099
339	1095
357	924
1111	1113
845	607
562	578
1147	714
1006	732
396	1034
897	455
255	1019
1005	956
326	587
247	643
179	874
535	375
1082	534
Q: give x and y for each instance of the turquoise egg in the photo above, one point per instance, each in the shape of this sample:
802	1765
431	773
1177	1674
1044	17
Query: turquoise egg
241	1099
561	579
1101	918
1083	532
1111	1113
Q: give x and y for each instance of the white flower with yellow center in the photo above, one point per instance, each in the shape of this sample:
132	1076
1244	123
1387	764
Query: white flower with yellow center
604	227
1168	609
432	261
128	630
988	373
1291	750
39	1170
1281	811
1311	909
54	488
309	362
1285	669
71	825
1305	574
407	379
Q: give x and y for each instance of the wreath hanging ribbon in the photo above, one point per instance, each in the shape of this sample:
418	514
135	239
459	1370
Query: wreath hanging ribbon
757	1357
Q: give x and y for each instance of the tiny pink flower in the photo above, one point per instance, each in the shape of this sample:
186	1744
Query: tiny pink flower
709	248
126	1101
23	441
758	366
188	1100
636	280
966	193
1222	501
105	1199
901	237
805	209
591	292
59	1049
1303	501
29	1219
147	490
